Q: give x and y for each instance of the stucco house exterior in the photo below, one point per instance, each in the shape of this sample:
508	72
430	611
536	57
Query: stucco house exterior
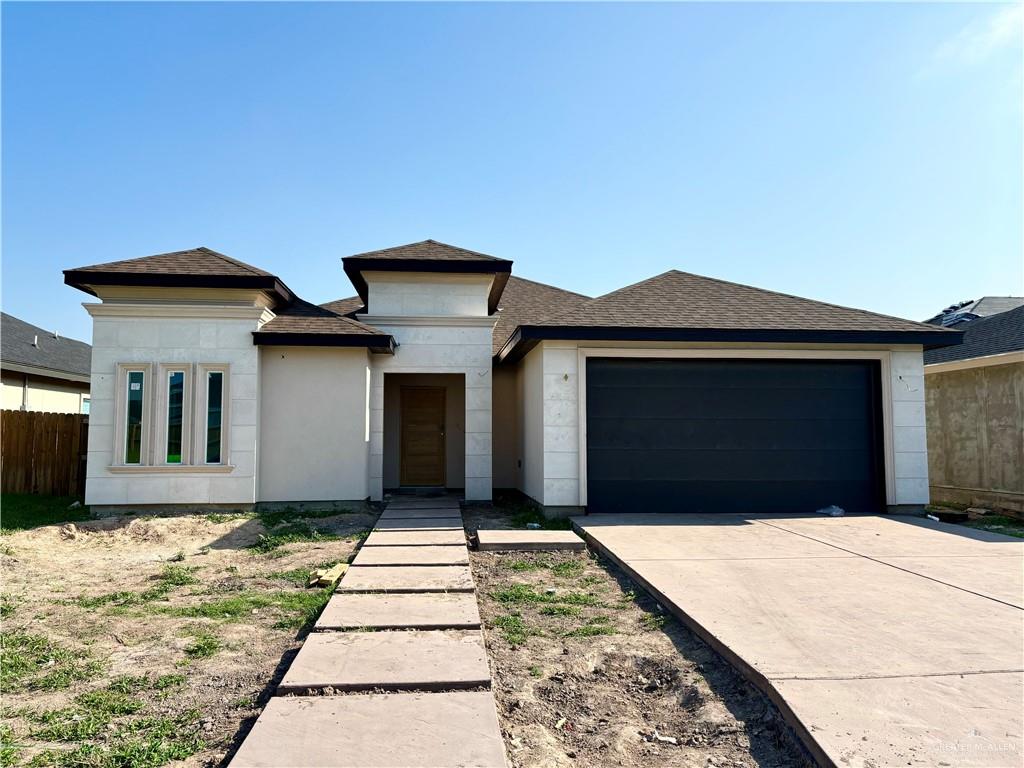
41	370
214	384
975	405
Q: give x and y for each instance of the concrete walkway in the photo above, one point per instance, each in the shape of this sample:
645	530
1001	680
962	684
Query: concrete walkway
404	618
883	640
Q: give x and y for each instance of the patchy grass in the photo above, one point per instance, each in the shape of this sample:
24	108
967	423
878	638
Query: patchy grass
524	593
297	609
595	625
35	663
561	610
296	533
653	621
1004	524
520	514
204	645
170	578
514	629
300	576
20	511
9	745
274	518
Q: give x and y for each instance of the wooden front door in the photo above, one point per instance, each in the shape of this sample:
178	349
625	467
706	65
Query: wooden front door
423	454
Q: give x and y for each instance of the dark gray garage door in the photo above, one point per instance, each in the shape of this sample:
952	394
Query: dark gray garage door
733	435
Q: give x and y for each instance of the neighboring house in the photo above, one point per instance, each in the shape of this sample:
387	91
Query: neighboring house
214	384
42	371
975	397
966	311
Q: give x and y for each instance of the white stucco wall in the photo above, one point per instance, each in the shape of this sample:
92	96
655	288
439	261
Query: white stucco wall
426	294
907	459
41	394
531	388
180	333
441	325
314	420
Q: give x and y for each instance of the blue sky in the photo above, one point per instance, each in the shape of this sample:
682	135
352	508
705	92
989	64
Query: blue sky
863	154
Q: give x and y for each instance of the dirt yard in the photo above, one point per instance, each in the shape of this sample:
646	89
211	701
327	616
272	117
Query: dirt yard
140	641
589	672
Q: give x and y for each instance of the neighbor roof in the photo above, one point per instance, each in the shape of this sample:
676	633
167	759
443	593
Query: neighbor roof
30	349
193	268
966	311
305	324
679	306
983	337
428	256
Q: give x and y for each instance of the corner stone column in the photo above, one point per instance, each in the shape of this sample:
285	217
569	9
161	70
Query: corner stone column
478	434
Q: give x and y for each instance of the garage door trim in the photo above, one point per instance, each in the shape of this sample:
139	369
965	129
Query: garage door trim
882	356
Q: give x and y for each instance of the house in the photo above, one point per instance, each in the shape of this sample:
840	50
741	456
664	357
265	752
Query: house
965	311
214	384
975	403
40	370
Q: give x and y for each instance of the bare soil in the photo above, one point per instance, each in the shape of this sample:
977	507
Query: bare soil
182	612
589	671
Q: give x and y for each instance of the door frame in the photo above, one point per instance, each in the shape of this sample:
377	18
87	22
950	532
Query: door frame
882	356
401	432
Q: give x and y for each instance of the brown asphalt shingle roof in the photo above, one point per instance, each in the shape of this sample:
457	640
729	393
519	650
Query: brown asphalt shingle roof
683	300
429	250
194	261
302	317
526	302
348	306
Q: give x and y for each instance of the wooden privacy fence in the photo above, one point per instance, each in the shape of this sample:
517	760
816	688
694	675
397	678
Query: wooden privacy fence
43	452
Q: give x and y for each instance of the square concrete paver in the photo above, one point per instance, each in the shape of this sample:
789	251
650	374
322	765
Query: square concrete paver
427	610
418	524
364	661
417	514
407	578
522	541
397	730
424	538
412	556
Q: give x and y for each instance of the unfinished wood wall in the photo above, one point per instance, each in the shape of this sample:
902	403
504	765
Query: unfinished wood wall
43	453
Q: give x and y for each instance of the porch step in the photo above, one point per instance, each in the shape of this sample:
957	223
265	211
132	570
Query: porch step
455	610
389	661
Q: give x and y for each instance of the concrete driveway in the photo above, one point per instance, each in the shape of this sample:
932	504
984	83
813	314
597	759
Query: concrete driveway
884	640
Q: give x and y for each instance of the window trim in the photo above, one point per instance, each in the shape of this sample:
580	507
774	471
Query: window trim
163	404
199	439
121	423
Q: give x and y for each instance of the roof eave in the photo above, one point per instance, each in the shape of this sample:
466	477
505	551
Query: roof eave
354	267
380	344
525	337
84	280
49	373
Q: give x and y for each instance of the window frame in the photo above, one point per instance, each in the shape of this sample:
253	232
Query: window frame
121	428
201	412
163	412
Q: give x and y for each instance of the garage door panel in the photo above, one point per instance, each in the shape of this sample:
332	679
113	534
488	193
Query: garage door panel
747	402
732	435
719	434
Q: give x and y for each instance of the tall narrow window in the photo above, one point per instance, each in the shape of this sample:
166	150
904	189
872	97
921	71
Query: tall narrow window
133	420
175	415
214	415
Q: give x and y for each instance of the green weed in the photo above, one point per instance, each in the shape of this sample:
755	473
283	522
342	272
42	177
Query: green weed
514	629
561	610
33	662
524	593
597	625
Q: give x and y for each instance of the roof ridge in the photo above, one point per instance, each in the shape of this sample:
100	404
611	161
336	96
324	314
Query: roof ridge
549	285
228	259
429	240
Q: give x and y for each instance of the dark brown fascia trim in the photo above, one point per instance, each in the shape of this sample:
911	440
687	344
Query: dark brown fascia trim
378	344
354	266
83	280
526	337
